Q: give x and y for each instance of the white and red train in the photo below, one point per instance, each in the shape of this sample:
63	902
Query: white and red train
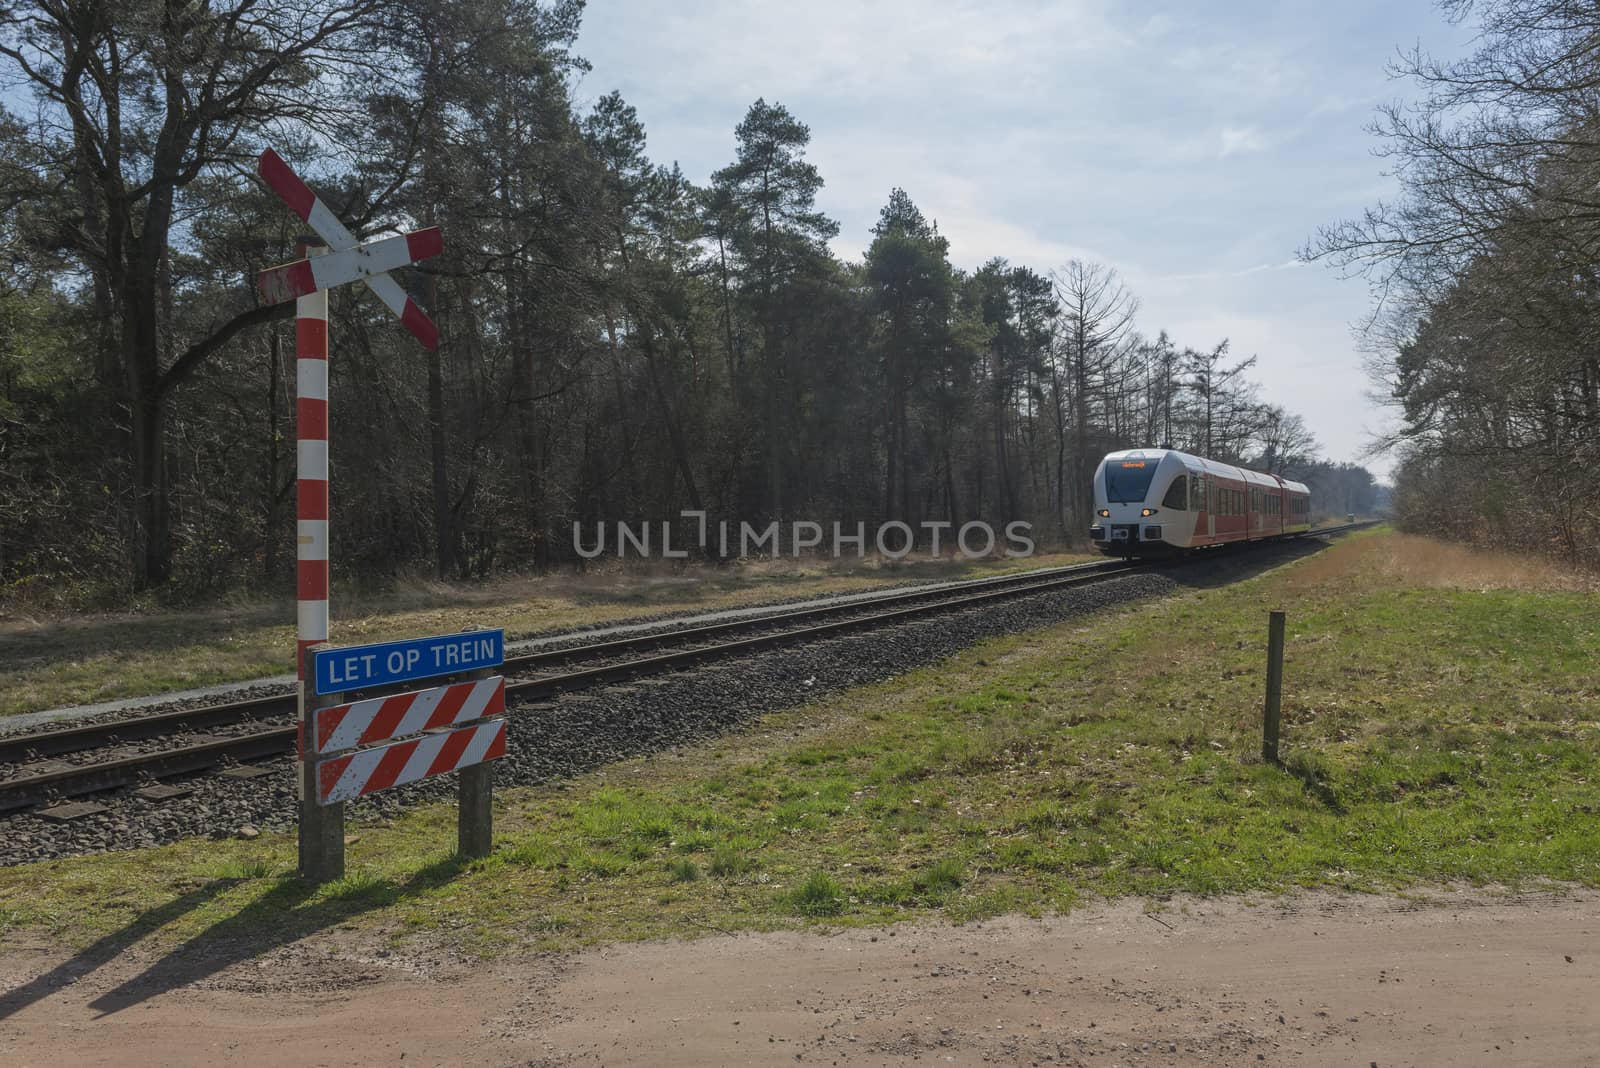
1152	501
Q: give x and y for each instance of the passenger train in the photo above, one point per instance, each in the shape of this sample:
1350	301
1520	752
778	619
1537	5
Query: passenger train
1149	502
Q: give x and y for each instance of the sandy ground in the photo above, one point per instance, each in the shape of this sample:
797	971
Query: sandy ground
1320	980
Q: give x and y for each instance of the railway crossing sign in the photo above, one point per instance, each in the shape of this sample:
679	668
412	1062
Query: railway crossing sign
358	262
325	782
312	211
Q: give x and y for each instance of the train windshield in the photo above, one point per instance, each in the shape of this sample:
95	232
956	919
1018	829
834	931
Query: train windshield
1128	480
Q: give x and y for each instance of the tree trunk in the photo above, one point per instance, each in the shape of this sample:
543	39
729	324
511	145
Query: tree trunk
152	520
440	455
152	516
680	450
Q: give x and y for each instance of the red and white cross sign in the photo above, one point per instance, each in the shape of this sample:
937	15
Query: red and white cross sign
306	276
307	281
304	203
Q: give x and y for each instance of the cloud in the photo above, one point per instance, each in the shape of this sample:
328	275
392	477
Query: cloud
886	53
1204	143
1239	139
1260	268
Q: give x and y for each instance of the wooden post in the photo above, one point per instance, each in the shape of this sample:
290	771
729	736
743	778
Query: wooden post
1270	724
475	802
321	826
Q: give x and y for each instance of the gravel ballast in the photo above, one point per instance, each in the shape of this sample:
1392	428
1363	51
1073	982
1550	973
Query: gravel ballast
552	741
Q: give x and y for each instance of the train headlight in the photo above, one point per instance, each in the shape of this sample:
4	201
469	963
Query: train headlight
1104	513
1150	511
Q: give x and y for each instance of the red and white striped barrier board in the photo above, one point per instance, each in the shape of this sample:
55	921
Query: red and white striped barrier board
304	203
352	264
368	770
382	718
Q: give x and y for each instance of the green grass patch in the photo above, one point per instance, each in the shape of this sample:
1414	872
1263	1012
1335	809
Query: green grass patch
1431	734
820	895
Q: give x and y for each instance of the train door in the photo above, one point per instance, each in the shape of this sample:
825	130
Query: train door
1213	498
1205	502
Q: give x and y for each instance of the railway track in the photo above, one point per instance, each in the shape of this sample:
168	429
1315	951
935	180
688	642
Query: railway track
37	779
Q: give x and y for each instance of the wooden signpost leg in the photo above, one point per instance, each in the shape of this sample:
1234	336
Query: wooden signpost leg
475	820
475	804
321	826
1270	722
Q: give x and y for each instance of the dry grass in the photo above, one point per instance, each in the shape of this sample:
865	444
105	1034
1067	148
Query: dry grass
1409	560
47	663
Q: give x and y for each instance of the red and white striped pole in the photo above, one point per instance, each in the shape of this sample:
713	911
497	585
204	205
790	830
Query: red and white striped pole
311	466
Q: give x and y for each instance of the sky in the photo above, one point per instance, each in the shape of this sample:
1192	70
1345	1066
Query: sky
1193	147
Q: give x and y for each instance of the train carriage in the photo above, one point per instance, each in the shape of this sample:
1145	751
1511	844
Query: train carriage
1152	501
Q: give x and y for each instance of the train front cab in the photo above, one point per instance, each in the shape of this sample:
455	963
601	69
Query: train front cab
1142	500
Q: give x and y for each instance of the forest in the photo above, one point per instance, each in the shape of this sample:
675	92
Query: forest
619	343
1486	333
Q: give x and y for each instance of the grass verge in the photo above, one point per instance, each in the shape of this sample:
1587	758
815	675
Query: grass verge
1431	733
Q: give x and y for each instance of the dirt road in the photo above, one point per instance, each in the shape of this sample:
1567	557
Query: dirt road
1321	980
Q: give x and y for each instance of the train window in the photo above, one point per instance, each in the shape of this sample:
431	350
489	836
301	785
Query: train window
1127	481
1177	496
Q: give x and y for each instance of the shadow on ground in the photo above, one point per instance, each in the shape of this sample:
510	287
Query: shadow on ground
1211	568
288	912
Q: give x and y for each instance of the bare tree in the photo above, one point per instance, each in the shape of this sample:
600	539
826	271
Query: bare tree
1216	387
1096	318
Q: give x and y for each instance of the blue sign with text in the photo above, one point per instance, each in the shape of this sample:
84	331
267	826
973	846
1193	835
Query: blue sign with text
361	667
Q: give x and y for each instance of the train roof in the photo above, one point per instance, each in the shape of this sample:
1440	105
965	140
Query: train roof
1210	467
